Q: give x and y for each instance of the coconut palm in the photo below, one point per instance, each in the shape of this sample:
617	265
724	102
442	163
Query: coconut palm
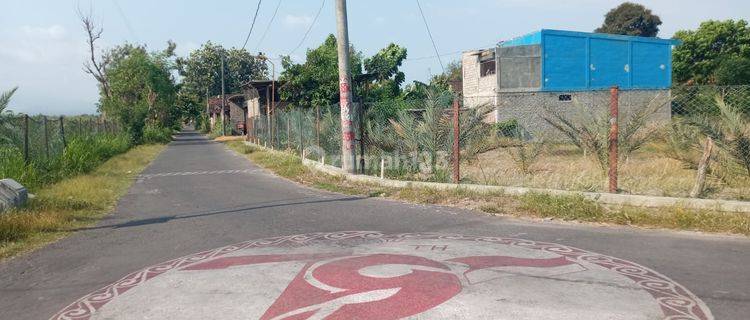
6	129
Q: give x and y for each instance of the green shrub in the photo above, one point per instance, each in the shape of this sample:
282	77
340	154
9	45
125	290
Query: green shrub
155	134
507	128
12	166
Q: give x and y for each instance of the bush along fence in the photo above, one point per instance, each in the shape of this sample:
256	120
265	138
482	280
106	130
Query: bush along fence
36	150
685	142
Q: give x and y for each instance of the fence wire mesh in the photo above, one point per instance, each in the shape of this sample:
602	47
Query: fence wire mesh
40	138
542	139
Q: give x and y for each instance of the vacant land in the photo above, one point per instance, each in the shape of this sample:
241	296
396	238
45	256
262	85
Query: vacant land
564	167
528	206
72	203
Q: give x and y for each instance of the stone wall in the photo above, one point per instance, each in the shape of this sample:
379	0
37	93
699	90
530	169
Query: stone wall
529	109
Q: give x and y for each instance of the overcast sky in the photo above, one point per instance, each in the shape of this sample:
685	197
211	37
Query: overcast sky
42	46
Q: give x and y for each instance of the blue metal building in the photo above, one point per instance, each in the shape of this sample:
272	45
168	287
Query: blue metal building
555	61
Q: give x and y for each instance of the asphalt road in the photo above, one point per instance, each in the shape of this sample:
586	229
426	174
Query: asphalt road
198	195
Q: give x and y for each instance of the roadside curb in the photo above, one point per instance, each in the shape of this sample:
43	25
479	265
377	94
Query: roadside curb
604	198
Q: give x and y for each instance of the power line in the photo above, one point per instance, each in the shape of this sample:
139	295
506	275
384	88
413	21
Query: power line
275	11
322	4
447	53
434	56
434	46
257	9
125	20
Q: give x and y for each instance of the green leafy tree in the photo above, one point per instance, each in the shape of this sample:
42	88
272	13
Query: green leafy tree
201	72
631	19
733	71
316	81
453	73
387	78
703	52
142	91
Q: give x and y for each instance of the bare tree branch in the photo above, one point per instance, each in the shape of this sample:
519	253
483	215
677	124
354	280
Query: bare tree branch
94	67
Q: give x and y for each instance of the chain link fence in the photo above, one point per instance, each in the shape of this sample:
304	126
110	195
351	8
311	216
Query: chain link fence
41	137
689	141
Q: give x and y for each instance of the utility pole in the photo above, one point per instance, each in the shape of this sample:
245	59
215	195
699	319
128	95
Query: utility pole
348	154
223	101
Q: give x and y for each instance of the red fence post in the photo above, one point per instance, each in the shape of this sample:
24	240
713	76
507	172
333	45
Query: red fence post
613	137
456	144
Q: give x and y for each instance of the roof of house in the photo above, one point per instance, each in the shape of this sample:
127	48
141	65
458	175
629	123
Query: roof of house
535	38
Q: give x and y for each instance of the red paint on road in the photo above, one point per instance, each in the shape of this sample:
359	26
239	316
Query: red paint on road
415	292
226	262
478	263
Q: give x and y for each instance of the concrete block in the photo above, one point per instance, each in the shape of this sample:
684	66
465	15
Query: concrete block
12	194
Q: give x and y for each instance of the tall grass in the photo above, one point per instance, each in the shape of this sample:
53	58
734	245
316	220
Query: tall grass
74	202
82	154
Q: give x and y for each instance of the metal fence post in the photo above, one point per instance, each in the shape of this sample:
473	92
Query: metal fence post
288	132
456	146
613	137
26	138
317	125
301	134
62	132
46	137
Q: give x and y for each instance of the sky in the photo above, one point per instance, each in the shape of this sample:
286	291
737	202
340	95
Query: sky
43	47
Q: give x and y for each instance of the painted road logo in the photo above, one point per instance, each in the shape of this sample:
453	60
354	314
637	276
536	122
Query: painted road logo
369	275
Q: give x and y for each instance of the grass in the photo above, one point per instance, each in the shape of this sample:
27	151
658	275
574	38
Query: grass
82	154
538	206
72	203
563	167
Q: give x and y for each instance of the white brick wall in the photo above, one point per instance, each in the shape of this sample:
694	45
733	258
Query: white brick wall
477	90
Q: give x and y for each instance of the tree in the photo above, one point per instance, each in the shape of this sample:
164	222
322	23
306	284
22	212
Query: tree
5	127
201	72
631	19
702	52
142	91
387	78
96	67
733	71
316	81
5	99
453	72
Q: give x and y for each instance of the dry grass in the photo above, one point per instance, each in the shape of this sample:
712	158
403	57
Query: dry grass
72	203
229	138
528	206
564	167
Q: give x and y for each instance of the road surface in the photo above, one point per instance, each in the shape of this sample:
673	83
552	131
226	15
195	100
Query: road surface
203	233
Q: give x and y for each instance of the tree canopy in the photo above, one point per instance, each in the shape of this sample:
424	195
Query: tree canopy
316	81
386	77
704	51
141	89
631	19
201	70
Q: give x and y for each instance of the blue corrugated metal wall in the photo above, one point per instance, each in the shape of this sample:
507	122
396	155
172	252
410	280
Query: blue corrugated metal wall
589	61
564	61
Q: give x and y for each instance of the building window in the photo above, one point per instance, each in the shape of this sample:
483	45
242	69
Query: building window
487	68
